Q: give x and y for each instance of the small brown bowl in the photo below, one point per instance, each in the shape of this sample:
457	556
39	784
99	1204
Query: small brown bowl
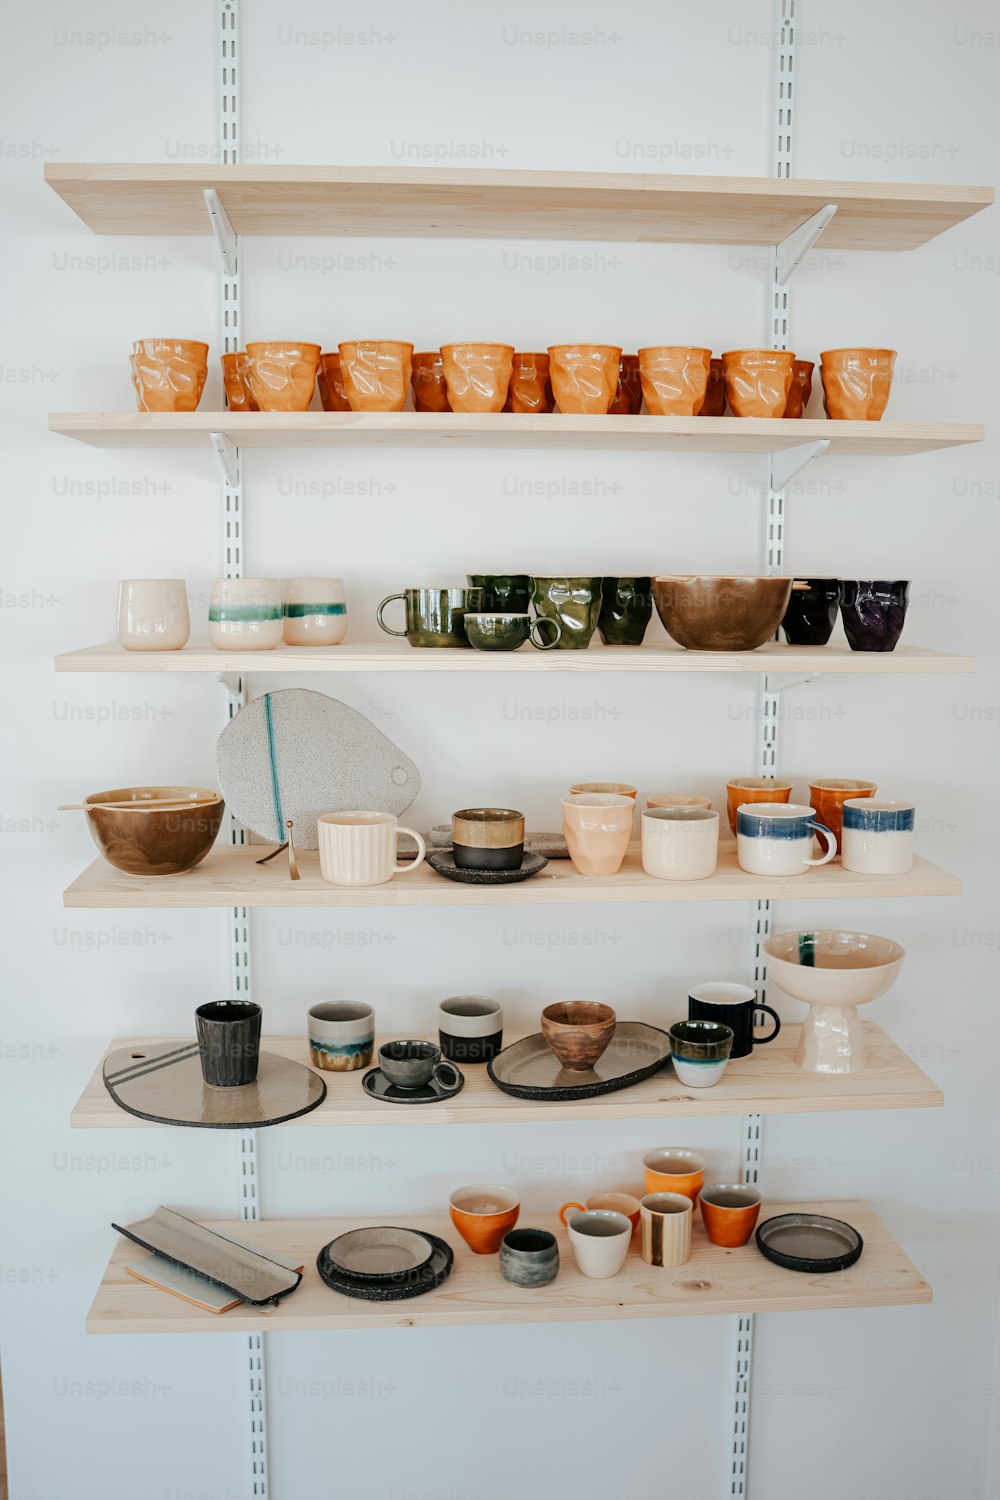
578	1031
704	613
155	840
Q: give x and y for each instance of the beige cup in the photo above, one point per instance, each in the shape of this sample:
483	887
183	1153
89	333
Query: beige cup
597	827
665	1225
679	843
314	610
617	788
359	848
677	799
153	614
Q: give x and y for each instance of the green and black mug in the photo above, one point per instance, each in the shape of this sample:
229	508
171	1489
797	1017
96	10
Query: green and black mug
434	617
503	593
626	610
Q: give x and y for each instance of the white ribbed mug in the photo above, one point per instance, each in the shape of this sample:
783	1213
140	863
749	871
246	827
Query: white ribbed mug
359	848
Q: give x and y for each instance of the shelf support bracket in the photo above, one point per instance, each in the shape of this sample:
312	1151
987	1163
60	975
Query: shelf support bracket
788	462
229	458
780	682
793	249
225	235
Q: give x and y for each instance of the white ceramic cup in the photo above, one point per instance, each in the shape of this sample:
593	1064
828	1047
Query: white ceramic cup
341	1035
665	1224
153	614
599	1239
776	838
359	848
315	613
877	836
679	843
245	614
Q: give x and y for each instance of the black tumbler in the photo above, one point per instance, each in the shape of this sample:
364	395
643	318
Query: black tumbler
229	1042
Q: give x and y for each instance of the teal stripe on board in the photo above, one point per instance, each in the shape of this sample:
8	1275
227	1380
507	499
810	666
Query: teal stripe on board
299	611
279	816
241	613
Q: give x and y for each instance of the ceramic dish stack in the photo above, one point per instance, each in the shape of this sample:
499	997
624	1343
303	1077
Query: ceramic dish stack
385	1263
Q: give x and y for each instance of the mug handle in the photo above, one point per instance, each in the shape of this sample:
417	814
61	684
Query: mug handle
562	1212
537	624
378	614
759	1041
410	864
831	844
446	1074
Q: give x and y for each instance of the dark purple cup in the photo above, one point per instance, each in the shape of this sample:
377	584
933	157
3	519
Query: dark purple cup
873	611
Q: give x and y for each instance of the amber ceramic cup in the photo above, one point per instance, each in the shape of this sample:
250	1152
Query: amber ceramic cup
578	1031
168	374
283	376
674	1170
597	827
376	374
758	381
477	375
584	377
828	798
665	1221
530	389
801	387
332	395
627	399
482	1214
753	789
730	1211
236	381
430	389
856	383
619	1203
674	379
714	404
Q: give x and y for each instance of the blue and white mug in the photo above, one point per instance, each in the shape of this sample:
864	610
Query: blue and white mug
878	836
776	838
341	1035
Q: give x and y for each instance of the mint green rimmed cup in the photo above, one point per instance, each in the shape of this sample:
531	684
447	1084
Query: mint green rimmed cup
244	614
315	612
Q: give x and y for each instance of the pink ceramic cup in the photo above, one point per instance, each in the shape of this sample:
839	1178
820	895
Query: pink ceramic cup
598	828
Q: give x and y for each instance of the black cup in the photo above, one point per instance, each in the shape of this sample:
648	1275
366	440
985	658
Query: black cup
737	1013
412	1065
874	610
470	1028
229	1042
812	611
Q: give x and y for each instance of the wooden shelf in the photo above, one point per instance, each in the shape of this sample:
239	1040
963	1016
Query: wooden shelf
767	1083
445	203
398	656
410	429
712	1281
231	877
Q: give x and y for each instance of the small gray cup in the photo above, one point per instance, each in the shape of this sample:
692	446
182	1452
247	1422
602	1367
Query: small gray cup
529	1257
412	1065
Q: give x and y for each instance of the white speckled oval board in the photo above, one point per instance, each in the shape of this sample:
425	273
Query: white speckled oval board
296	754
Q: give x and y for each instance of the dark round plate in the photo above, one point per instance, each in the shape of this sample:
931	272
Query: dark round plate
409	1284
443	862
809	1242
529	1070
376	1084
382	1252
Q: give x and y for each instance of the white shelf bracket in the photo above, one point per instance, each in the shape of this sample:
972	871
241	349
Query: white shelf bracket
793	249
788	462
229	458
782	681
225	234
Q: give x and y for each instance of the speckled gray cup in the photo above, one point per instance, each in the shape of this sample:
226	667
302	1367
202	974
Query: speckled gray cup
529	1257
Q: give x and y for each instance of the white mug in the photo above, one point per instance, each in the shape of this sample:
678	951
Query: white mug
679	843
600	1239
359	848
315	613
244	614
153	614
775	838
877	836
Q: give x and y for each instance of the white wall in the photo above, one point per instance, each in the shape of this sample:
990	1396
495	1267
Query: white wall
891	1403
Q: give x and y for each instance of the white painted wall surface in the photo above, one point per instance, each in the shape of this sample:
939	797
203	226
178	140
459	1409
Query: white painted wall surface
893	1404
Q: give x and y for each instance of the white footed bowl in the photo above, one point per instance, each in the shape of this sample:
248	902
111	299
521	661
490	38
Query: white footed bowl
848	969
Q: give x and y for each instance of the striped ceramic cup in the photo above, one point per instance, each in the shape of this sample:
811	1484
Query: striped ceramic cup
314	610
245	614
878	836
665	1223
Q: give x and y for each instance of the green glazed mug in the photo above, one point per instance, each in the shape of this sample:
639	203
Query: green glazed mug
626	610
574	602
434	617
503	593
499	632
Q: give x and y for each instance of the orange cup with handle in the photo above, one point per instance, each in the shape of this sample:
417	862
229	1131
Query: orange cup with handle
482	1214
619	1203
674	1169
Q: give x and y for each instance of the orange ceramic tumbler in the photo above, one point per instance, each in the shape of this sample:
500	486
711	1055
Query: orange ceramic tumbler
168	374
478	375
730	1211
332	395
754	789
529	390
758	381
283	375
482	1214
856	383
674	379
376	373
584	377
674	1170
236	381
430	389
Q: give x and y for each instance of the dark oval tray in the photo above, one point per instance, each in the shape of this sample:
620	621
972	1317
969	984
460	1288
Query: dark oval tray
527	1069
796	1241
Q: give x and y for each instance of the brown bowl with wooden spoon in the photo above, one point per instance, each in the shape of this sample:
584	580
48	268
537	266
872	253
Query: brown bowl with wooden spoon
154	830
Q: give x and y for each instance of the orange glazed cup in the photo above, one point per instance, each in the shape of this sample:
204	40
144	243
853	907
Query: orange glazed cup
627	400
236	381
331	387
674	379
376	374
671	1170
530	389
478	375
715	394
856	383
758	381
482	1214
584	377
168	374
801	387
828	798
283	375
730	1211
430	389
753	789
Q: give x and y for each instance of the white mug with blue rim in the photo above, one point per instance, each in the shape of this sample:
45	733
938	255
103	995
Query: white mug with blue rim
776	838
878	836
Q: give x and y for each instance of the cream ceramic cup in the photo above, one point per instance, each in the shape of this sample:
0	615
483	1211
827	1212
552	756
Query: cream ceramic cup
665	1225
245	614
878	836
776	838
359	848
677	799
314	611
153	614
597	827
679	843
599	1239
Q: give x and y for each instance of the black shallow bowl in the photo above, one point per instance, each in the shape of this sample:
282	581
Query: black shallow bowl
809	1242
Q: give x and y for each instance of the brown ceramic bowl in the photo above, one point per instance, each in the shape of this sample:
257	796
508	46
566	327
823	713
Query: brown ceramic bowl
704	613
578	1031
155	840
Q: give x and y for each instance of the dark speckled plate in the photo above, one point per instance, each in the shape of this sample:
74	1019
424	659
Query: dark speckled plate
408	1284
809	1242
443	862
529	1070
378	1086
